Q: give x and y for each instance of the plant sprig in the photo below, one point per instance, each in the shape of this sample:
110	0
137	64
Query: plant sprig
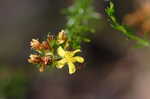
110	11
60	50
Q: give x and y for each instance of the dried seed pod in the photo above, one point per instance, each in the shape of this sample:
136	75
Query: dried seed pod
34	59
45	45
35	44
46	60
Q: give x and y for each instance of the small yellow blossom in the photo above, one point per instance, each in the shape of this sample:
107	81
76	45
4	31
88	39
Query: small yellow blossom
69	59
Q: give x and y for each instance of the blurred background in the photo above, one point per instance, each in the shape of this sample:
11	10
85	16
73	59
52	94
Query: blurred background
113	70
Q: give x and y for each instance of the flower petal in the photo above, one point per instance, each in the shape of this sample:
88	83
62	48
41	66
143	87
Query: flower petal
76	51
79	59
61	51
72	68
61	63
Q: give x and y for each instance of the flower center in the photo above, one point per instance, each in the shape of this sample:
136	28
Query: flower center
69	57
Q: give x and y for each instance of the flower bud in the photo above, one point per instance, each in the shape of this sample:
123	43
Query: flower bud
61	37
46	60
50	38
34	59
45	45
35	44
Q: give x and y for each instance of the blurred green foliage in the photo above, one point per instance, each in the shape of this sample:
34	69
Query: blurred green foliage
81	20
13	85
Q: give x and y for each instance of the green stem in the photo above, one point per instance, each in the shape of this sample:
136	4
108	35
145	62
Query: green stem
110	11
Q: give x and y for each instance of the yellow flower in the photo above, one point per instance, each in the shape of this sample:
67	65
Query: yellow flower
69	59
